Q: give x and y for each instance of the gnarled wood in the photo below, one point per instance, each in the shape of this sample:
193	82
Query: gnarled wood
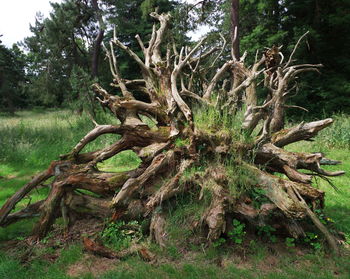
173	144
304	131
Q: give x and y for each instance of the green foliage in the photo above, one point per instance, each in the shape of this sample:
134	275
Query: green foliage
290	242
148	6
173	252
322	217
41	137
82	96
181	142
313	240
338	134
266	23
219	242
237	233
123	161
60	49
64	41
12	78
337	201
184	211
267	232
119	235
11	268
210	118
241	179
46	239
258	197
57	45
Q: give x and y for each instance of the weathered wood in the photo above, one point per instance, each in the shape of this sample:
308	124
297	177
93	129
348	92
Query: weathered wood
304	131
48	209
94	134
172	143
297	198
131	185
98	207
31	211
170	189
214	215
21	193
157	229
280	160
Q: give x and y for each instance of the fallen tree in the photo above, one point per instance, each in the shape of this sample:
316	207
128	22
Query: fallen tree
174	87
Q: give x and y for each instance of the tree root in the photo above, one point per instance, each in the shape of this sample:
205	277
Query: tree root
176	144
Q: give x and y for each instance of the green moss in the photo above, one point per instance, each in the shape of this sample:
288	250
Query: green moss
179	142
118	178
240	177
164	131
279	134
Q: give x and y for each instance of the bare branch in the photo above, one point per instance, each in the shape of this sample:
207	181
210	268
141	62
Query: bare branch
221	51
174	91
216	78
131	54
235	37
297	107
303	131
142	46
94	134
115	71
295	48
155	48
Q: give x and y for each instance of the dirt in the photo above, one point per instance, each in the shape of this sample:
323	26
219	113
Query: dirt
87	227
91	264
269	263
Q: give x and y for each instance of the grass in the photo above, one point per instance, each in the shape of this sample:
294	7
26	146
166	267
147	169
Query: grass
211	119
337	202
31	140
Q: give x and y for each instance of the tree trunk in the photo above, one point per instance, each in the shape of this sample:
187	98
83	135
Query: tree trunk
98	40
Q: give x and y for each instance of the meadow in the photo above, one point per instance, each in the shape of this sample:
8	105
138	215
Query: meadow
30	140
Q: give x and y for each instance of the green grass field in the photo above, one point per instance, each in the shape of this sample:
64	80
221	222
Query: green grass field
31	140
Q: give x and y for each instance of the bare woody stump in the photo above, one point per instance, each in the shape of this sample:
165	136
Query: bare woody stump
173	84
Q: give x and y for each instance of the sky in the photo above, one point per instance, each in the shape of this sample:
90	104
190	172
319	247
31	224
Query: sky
16	15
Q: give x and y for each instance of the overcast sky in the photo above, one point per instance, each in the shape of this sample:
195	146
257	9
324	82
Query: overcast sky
16	15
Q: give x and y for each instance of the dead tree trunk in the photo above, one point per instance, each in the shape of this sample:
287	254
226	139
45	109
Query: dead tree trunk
134	194
98	40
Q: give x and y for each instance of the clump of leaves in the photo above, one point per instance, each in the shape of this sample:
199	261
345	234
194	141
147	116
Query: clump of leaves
267	231
323	218
313	240
220	241
181	142
237	233
258	197
290	242
119	235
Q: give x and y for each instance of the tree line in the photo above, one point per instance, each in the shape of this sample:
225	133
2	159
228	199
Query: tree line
57	64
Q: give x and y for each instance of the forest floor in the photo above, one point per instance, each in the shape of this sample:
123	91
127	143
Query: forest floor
30	140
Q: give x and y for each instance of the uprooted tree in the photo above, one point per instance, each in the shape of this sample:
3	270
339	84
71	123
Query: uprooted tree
175	86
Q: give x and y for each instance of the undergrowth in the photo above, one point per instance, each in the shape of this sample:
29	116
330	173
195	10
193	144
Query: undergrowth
211	119
119	235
